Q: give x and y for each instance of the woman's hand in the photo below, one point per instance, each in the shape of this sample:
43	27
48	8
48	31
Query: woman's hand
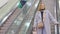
34	30
40	25
57	23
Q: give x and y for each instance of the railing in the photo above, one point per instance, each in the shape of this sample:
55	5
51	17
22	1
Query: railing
9	13
23	24
7	16
5	10
20	18
27	25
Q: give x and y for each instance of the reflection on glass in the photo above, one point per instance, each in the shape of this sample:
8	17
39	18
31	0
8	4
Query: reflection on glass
28	3
17	23
20	20
6	9
27	21
59	12
59	4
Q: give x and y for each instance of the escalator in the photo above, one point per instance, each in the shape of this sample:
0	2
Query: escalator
8	22
21	20
23	24
4	26
6	9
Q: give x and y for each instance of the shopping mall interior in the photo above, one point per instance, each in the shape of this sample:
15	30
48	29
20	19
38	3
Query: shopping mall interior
17	16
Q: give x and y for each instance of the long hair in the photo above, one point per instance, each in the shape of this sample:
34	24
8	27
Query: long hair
40	7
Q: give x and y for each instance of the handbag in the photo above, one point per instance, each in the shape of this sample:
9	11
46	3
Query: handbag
41	24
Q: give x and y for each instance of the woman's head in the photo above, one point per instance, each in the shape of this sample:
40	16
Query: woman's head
41	7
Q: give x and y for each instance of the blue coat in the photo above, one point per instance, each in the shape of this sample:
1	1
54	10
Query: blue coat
48	19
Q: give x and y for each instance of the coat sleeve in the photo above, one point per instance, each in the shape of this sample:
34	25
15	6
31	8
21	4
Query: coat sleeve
36	19
52	18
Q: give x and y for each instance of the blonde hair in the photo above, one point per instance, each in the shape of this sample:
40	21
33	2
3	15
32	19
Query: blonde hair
41	7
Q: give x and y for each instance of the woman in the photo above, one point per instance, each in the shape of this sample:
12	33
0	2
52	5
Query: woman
43	27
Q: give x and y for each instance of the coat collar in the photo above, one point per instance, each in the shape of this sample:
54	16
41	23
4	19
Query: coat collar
40	11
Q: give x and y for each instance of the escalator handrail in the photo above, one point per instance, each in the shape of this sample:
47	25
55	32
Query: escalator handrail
24	7
29	30
3	4
31	17
26	17
8	14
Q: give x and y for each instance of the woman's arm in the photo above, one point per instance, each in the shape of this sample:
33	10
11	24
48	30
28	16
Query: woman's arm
52	18
36	19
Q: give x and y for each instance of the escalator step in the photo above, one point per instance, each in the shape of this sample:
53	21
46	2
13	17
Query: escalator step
4	28
1	31
6	25
8	22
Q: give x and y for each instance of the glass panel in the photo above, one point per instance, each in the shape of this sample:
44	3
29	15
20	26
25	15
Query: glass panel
6	9
3	2
18	21
58	13
27	21
15	24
